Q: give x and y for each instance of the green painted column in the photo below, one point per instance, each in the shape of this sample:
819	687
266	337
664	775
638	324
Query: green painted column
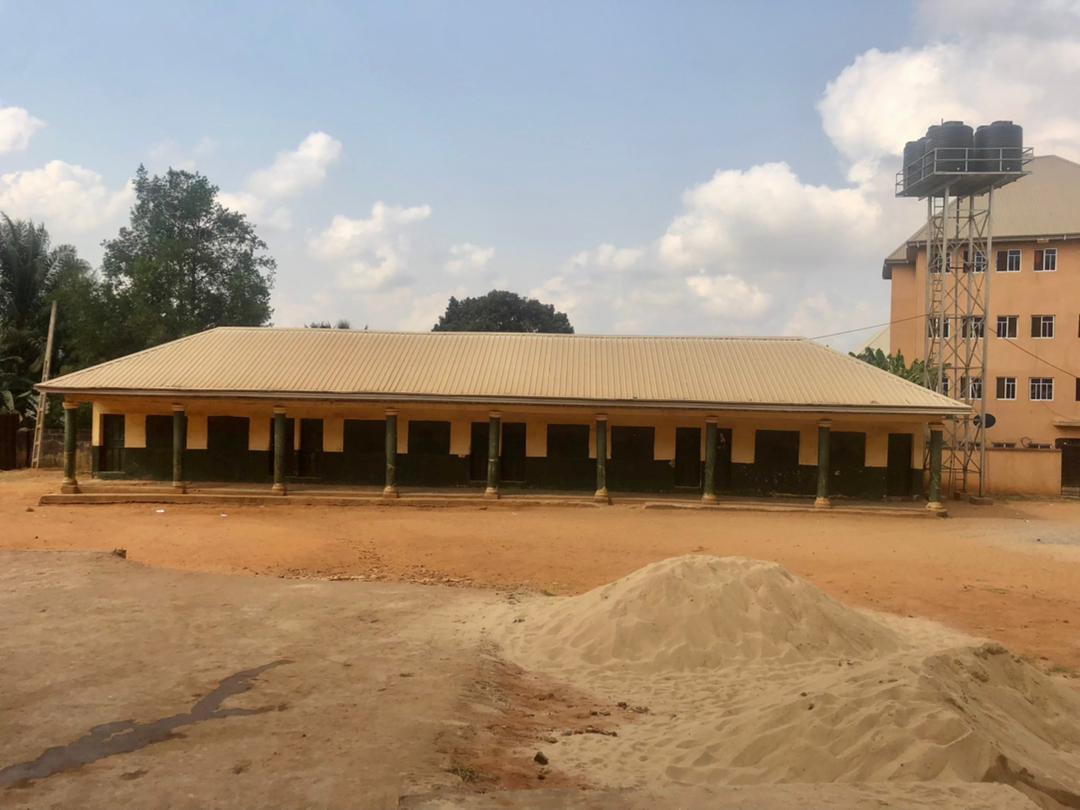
934	504
179	439
279	451
708	491
822	501
390	490
494	437
70	484
601	460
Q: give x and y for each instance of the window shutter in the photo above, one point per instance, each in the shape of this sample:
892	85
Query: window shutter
1038	260
1035	325
1001	388
1002	261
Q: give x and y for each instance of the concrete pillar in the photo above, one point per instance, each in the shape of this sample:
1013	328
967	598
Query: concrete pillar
601	459
390	490
708	491
179	439
822	500
494	435
934	504
70	484
279	452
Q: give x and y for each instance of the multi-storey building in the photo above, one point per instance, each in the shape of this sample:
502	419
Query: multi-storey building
1031	330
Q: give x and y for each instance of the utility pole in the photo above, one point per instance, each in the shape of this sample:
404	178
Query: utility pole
43	398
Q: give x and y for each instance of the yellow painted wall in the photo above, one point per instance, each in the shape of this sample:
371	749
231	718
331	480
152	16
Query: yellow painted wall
742	424
1022	294
1024	472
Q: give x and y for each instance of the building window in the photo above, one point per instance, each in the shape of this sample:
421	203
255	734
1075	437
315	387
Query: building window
945	384
933	326
971	388
1008	261
1006	387
1042	388
1042	326
568	441
1007	325
429	438
1046	260
972	326
1078	389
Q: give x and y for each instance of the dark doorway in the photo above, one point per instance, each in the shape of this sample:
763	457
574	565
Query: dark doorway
159	430
776	461
567	465
898	476
309	458
632	462
364	446
112	443
478	451
512	458
428	461
227	448
847	462
1070	464
290	448
688	457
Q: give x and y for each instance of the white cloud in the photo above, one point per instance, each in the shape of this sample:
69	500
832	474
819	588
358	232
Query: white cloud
817	314
17	126
290	174
68	199
607	256
468	258
729	296
297	170
371	253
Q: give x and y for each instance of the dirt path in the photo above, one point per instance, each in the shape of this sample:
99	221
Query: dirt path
1009	571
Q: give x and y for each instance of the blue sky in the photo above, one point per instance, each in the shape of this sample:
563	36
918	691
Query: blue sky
650	167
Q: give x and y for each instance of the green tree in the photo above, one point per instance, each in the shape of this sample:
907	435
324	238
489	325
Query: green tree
184	264
894	364
31	276
502	311
341	323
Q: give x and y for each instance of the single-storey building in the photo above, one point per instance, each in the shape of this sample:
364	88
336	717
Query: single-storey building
701	415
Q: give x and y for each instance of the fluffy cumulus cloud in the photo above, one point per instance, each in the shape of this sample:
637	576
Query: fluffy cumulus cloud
468	258
758	249
17	126
370	253
292	173
69	199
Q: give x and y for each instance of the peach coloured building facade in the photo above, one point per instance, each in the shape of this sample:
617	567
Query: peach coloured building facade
1032	329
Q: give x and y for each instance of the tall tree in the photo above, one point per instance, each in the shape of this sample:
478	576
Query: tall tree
27	272
184	264
502	311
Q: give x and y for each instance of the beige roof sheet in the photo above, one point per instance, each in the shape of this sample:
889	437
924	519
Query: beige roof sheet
754	373
1044	203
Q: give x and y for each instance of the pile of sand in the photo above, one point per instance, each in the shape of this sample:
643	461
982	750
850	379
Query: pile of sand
752	675
701	611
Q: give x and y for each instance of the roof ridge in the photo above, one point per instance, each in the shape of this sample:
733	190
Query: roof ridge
561	335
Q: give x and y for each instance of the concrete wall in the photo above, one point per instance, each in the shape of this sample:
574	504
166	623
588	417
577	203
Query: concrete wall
1024	472
742	424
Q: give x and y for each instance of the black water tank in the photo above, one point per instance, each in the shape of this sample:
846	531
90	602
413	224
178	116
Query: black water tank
999	146
913	162
952	140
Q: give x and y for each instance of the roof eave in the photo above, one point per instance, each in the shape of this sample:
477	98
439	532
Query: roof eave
174	394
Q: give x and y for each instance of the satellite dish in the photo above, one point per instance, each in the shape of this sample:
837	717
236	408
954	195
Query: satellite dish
991	420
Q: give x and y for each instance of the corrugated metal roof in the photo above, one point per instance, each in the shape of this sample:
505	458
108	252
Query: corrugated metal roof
784	373
1044	203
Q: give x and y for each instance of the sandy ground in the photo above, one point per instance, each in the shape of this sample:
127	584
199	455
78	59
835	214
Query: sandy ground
1009	572
123	685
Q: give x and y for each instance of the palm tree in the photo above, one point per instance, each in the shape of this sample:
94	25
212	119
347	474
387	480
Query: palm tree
27	270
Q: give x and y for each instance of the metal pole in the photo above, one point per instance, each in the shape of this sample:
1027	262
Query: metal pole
43	398
986	341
